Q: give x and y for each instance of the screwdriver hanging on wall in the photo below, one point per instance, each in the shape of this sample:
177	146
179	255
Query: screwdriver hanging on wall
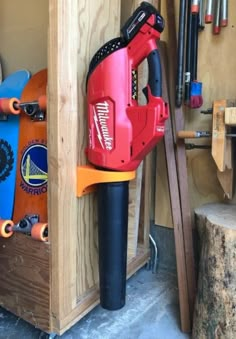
224	13
180	55
216	18
209	12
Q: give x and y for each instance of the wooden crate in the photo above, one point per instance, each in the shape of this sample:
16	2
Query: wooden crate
52	285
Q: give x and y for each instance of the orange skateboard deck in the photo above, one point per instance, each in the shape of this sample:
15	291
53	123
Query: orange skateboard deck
30	206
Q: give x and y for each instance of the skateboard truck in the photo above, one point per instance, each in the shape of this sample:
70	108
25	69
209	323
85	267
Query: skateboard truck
28	225
35	109
25	225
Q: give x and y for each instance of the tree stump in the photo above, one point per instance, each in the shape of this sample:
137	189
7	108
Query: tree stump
215	306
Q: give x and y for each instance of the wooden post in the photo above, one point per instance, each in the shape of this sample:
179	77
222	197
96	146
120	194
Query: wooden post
215	307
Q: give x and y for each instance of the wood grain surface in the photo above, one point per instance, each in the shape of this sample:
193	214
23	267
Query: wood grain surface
73	40
25	279
214	313
216	64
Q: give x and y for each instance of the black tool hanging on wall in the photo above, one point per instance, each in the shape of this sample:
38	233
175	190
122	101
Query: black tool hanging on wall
180	54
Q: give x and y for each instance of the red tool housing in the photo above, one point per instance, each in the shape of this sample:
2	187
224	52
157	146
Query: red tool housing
121	132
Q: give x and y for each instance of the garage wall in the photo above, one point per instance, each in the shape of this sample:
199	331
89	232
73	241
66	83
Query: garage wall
23	35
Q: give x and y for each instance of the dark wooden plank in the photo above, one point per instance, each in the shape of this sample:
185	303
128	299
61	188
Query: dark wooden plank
175	205
24	283
178	123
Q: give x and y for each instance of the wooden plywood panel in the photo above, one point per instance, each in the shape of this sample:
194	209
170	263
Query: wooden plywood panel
62	143
127	8
25	279
134	211
216	65
73	40
163	211
105	15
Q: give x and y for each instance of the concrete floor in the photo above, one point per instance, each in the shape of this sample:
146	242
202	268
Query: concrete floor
151	312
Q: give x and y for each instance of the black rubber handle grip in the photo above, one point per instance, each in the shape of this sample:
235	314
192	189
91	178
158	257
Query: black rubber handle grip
154	74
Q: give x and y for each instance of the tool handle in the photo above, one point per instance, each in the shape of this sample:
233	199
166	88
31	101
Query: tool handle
216	24
180	61
195	6
224	13
209	12
9	106
154	75
193	134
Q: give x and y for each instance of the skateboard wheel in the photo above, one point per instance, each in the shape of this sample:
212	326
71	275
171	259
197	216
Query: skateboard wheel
9	106
39	231
4	231
42	101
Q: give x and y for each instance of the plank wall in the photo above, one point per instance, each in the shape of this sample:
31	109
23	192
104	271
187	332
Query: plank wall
73	221
76	30
216	70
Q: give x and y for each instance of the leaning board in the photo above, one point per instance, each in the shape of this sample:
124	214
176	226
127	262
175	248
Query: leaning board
12	86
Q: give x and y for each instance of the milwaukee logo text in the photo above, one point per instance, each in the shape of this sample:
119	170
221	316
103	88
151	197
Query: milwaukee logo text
103	123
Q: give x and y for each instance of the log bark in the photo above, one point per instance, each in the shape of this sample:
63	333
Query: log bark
215	305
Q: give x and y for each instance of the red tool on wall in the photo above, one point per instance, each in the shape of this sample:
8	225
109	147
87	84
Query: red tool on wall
121	133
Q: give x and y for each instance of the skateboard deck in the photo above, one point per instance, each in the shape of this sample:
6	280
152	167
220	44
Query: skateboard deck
30	205
31	179
12	86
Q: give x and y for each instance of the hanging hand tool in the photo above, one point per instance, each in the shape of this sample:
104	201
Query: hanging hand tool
195	6
193	134
201	23
121	133
189	147
209	12
199	134
224	13
180	57
196	99
216	19
188	55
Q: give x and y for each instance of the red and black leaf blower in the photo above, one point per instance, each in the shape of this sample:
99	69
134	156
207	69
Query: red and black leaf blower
121	133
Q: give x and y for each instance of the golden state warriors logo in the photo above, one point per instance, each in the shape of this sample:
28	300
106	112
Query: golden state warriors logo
34	169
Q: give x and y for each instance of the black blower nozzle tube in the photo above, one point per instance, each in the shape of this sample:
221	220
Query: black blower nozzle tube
112	237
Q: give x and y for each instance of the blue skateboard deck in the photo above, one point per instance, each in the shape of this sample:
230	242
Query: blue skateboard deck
11	87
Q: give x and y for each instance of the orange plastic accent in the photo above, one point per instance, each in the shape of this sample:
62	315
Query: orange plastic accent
42	100
88	176
9	106
5	226
37	231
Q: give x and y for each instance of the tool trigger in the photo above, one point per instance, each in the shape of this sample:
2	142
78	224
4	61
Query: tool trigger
145	92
